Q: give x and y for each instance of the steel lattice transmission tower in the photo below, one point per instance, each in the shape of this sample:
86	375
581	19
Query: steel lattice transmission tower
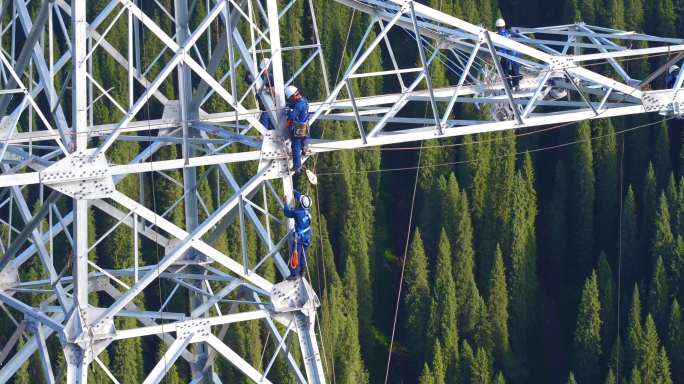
51	143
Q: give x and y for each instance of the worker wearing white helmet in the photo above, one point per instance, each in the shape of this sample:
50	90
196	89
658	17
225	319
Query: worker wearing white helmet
298	124
301	239
672	75
510	68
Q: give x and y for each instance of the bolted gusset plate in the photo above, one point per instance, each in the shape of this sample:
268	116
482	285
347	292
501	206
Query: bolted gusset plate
274	155
293	295
666	100
81	175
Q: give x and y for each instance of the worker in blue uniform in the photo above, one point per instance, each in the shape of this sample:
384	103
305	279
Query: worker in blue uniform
301	240
298	124
510	68
672	75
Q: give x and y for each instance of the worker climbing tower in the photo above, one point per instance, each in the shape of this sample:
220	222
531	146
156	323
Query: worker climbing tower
58	154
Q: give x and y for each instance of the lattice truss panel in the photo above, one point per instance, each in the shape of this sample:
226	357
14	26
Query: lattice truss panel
98	103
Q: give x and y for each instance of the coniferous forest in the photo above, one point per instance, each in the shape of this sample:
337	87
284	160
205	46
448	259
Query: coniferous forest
535	256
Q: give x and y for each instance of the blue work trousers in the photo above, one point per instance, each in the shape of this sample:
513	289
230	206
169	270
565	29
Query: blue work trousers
511	70
265	120
298	145
302	250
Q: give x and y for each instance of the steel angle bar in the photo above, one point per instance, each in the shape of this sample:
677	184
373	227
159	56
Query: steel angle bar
30	312
44	355
359	124
28	229
164	336
21	356
235	359
461	80
584	97
215	298
280	340
537	93
167	361
12	341
426	69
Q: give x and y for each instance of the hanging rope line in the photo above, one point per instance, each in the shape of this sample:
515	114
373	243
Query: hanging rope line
403	265
619	279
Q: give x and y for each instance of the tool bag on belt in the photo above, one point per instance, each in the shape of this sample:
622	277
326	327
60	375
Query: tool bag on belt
301	129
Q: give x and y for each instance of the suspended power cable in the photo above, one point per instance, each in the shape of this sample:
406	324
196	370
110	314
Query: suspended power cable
541	149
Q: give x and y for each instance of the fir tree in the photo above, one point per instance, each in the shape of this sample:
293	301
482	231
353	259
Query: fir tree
467	292
426	376
571	378
479	373
634	330
658	296
581	199
417	289
675	338
666	20
634	15
610	377
606	297
661	154
662	240
649	205
498	306
629	237
444	302
605	169
438	366
587	341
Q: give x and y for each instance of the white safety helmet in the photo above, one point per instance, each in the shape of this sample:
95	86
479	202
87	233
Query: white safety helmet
290	90
263	64
673	68
500	23
305	201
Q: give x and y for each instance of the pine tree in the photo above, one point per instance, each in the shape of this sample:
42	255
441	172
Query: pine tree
610	377
480	369
676	339
571	378
661	154
467	362
605	169
587	341
634	330
417	289
634	15
499	379
647	209
664	373
581	199
662	240
467	292
606	297
498	306
588	9
658	296
350	367
571	12
444	302
667	18
426	376
630	244
648	361
438	366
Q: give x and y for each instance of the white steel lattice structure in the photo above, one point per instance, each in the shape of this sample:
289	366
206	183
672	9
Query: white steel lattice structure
51	143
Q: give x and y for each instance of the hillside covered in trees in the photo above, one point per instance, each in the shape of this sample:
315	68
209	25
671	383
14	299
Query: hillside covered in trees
535	256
